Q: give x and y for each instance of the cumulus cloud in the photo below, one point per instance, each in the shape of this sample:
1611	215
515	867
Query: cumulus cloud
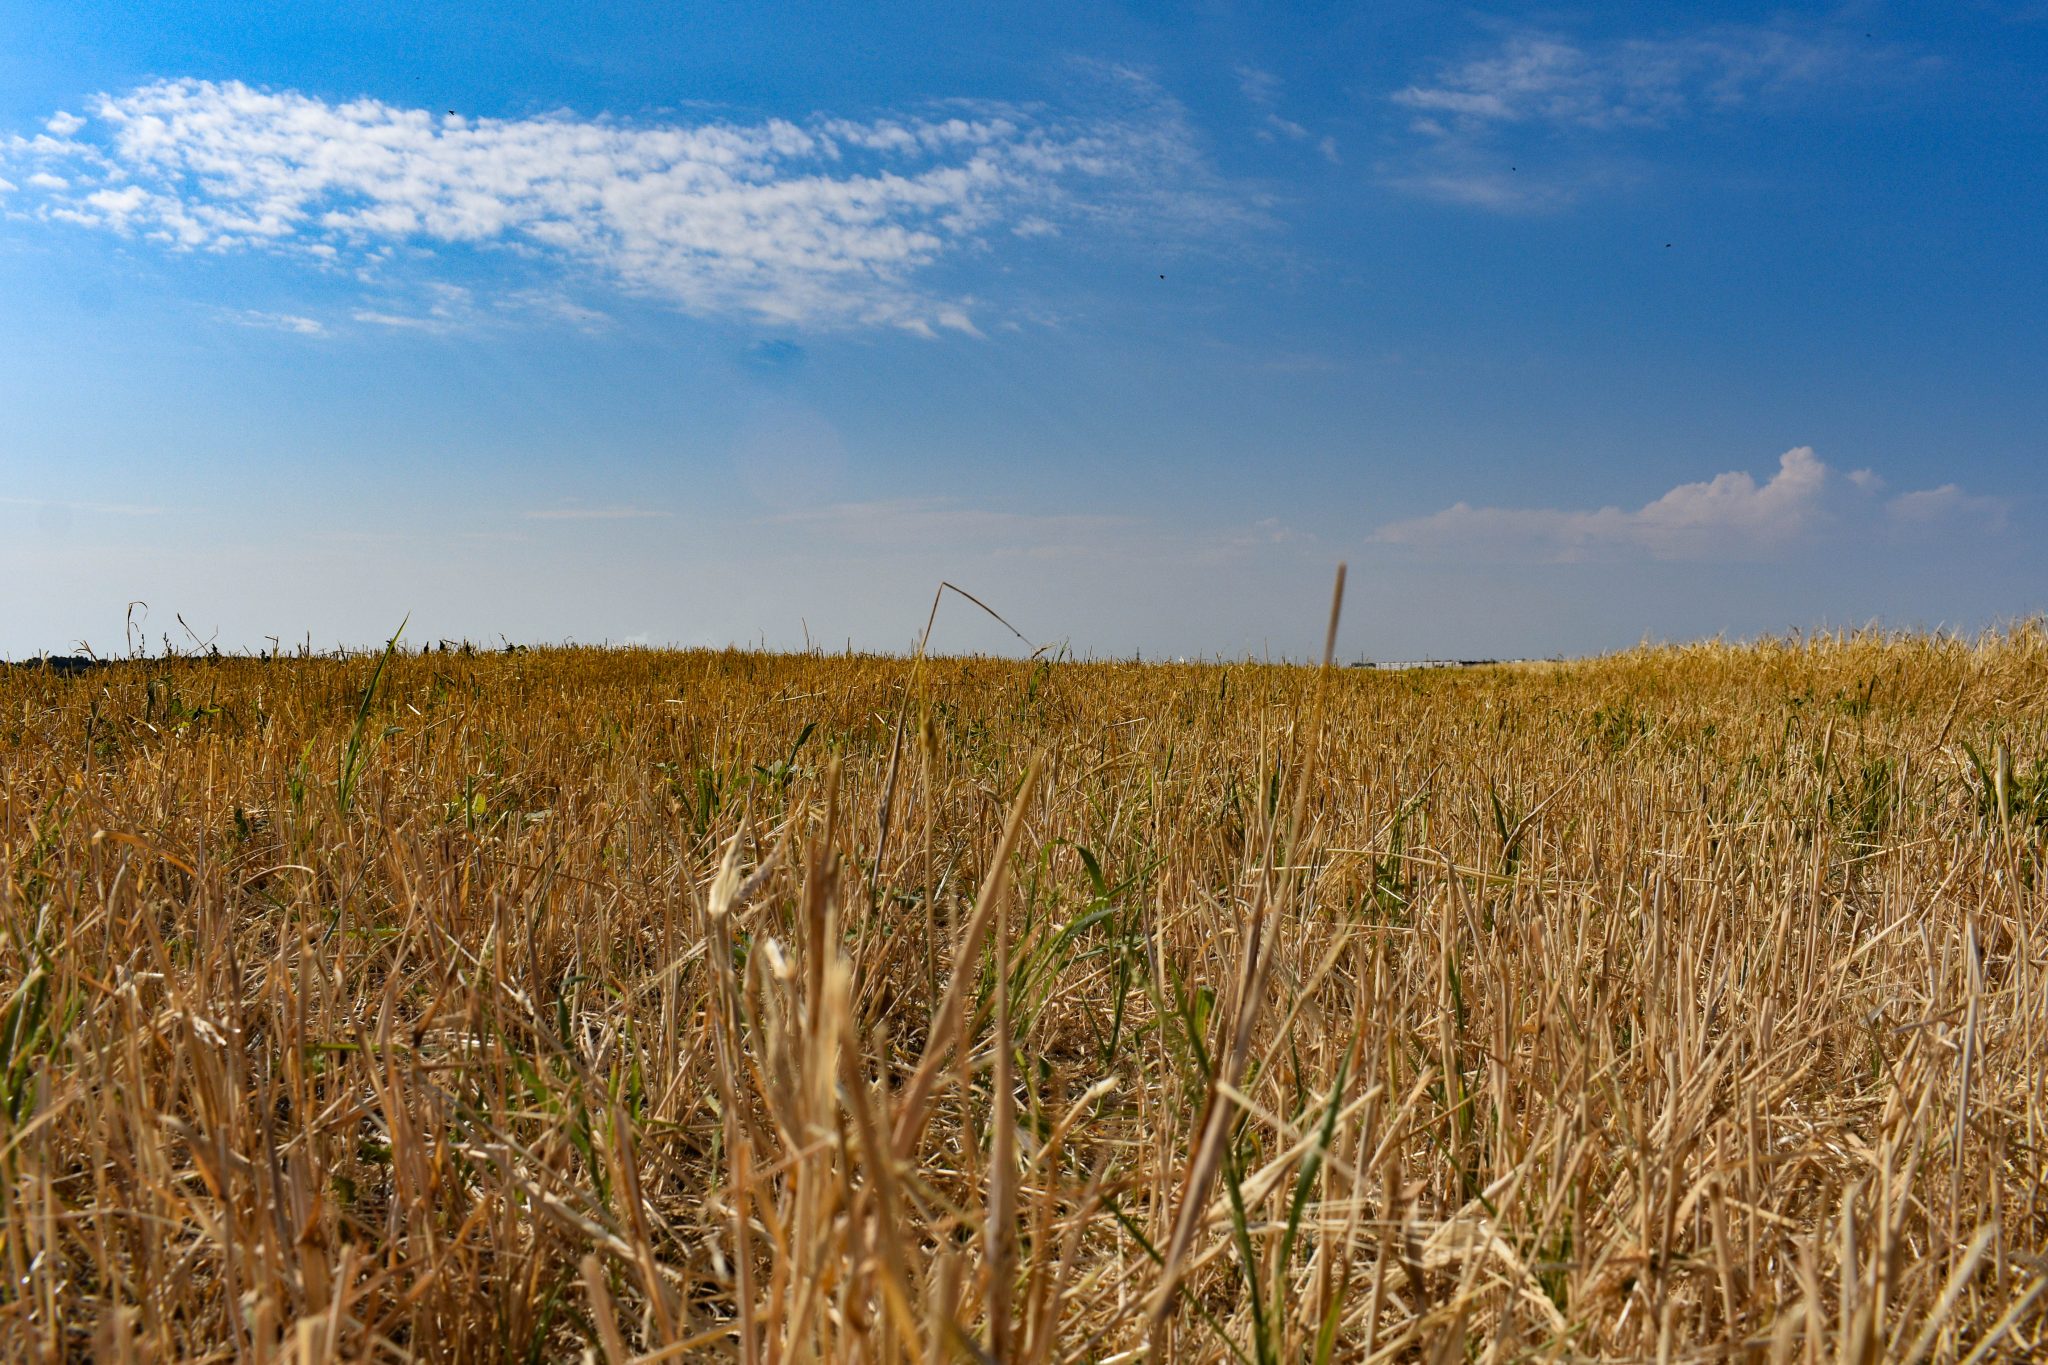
820	223
1730	516
1521	126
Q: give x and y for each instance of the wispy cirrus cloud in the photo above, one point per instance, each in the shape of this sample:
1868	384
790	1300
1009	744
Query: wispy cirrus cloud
819	223
1730	516
295	323
437	308
1637	82
1536	121
1262	90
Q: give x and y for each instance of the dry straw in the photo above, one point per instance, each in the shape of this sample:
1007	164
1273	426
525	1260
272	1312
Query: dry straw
1688	1004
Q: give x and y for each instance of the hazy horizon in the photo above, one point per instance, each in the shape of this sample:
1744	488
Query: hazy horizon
989	643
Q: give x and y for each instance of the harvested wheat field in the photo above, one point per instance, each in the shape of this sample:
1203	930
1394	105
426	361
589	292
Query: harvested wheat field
569	1004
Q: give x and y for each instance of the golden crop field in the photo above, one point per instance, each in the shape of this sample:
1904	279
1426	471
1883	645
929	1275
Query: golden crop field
569	1004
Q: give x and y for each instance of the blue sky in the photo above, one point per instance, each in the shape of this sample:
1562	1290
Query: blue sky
1565	327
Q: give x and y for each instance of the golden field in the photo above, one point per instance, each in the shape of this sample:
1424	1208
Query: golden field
1686	1004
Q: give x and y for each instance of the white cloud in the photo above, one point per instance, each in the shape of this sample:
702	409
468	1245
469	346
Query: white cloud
1259	86
1262	89
1531	124
116	207
1948	504
824	223
1730	516
1267	531
554	304
405	322
1734	503
440	309
1536	77
276	322
1449	178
